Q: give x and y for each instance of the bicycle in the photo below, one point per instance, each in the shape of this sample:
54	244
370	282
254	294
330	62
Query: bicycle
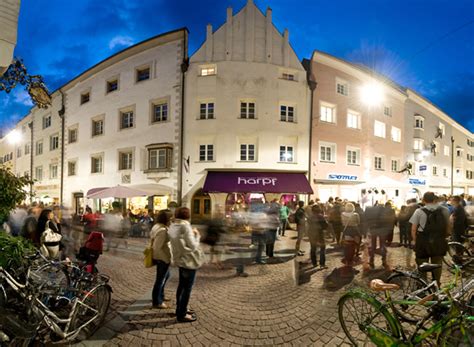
364	318
459	254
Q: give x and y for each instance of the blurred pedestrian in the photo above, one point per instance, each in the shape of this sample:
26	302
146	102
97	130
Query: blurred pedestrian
284	214
351	235
335	221
316	226
161	258
272	224
459	220
300	219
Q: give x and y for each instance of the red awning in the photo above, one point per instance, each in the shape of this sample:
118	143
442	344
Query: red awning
256	182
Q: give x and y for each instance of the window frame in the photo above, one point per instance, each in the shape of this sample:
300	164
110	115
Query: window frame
51	142
130	160
420	141
206	68
333	150
286	150
93	126
247	102
140	68
286	107
419	119
246	153
390	110
397	166
69	167
82	99
130	110
357	115
167	148
108	83
51	166
333	113
377	122
47	121
96	157
37	147
345	86
36	173
382	162
206	114
357	151
206	149
399	132
70	130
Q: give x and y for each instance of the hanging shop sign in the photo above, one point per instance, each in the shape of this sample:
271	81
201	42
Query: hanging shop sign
341	177
417	181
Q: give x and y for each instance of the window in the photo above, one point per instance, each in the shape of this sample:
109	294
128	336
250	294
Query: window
446	150
85	97
442	129
72	135
46	121
97	127
159	158
206	152
71	168
160	112
353	156
18	152
206	110
458	172
378	162
353	120
387	110
469	174
395	165
396	134
342	87
327	152
379	129
208	71
288	76
328	113
126	120
97	164
247	110
112	85
286	154
53	171
458	152
418	144
39	173
143	74
419	122
53	142
435	170
125	160
445	172
27	149
287	113
39	147
247	152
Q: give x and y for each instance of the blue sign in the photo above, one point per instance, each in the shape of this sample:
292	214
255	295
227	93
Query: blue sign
416	181
339	177
423	167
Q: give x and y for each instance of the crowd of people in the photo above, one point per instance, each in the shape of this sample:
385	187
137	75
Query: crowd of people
423	227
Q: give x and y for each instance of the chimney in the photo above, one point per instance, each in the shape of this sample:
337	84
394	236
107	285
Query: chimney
209	48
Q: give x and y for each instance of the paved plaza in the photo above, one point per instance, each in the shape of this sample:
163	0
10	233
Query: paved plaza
285	302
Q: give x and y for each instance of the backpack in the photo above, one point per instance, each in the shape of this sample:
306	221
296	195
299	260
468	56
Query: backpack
431	241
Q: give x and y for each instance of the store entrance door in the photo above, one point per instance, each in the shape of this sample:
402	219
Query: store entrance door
78	202
201	206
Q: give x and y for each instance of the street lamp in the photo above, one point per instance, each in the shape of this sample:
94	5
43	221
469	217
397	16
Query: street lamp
372	94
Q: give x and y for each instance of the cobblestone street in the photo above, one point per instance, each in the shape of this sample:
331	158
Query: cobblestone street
266	308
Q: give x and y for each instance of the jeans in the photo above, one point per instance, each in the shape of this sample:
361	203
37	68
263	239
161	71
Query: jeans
436	272
260	241
283	225
337	229
383	246
322	255
271	238
162	275
183	293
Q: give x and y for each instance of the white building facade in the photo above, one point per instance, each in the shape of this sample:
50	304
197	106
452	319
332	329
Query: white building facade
246	109
123	124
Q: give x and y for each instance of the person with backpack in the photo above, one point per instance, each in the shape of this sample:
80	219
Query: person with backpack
430	227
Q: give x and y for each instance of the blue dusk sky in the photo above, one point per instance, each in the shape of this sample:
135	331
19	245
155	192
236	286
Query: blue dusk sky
427	45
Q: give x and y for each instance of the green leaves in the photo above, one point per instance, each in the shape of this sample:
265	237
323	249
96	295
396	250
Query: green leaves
12	192
12	250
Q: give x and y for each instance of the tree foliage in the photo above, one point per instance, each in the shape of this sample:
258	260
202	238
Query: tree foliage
12	192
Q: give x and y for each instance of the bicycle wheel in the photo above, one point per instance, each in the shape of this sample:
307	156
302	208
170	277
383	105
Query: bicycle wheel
358	312
409	284
460	335
98	299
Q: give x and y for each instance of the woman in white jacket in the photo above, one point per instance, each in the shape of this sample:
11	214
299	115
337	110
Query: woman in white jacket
188	256
161	257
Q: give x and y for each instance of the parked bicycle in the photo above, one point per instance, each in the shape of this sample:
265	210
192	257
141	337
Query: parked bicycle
449	320
460	253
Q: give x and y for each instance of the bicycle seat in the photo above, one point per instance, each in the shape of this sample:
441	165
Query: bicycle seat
427	267
381	286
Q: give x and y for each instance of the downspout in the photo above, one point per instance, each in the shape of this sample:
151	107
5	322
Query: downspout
312	84
30	125
61	113
452	165
184	68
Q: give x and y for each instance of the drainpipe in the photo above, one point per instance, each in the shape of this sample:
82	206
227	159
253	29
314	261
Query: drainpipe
61	113
312	84
452	165
184	68
30	125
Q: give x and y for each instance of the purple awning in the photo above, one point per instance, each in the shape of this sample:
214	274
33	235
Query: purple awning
256	182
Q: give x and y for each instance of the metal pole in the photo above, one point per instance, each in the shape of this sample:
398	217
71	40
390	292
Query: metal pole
452	165
30	125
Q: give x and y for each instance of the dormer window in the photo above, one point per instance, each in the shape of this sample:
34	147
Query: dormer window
419	121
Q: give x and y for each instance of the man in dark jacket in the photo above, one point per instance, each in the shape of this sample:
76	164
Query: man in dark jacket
459	219
300	219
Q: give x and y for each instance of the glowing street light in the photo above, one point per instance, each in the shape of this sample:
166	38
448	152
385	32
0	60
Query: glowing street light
14	137
372	94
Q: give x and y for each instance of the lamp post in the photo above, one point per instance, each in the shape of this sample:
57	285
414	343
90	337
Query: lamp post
452	165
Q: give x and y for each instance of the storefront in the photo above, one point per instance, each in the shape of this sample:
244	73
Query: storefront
244	190
338	185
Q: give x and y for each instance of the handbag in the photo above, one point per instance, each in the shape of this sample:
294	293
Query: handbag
148	253
50	242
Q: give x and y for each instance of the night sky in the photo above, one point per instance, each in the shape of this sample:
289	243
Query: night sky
414	42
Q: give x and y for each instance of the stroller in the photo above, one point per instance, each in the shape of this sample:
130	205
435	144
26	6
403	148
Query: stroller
91	251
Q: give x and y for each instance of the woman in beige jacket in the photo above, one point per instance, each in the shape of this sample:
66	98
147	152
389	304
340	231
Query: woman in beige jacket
161	257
